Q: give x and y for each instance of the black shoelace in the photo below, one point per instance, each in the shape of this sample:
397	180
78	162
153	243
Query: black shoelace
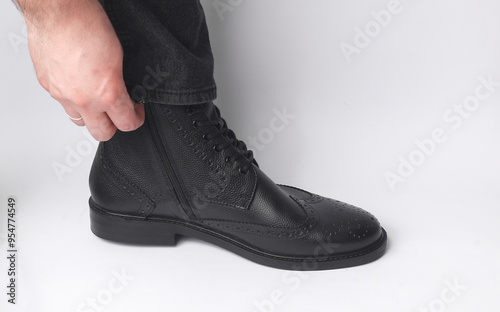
220	129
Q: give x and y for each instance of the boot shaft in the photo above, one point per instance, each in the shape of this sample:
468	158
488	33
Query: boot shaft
181	157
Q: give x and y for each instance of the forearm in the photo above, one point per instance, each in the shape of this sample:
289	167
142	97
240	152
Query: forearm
42	13
79	60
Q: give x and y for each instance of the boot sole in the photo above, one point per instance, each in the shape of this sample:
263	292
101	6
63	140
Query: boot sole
164	232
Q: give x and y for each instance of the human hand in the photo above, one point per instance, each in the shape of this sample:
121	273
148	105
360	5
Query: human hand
78	60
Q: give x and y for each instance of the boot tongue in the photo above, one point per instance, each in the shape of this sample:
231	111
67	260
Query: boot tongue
212	111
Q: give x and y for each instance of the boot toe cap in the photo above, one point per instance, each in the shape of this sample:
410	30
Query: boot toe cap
348	227
342	228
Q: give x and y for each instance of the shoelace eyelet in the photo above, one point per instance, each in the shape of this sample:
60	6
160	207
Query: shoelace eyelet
220	129
242	171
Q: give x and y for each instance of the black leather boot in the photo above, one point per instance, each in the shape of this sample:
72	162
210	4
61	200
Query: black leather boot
185	173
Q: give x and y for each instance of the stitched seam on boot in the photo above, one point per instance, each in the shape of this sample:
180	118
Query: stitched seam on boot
146	206
206	162
249	201
304	207
291	232
362	252
315	198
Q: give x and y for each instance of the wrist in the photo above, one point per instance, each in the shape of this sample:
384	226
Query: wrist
46	13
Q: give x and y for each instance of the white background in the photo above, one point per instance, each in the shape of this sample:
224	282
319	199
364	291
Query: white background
353	123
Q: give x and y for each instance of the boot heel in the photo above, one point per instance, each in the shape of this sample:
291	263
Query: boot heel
129	230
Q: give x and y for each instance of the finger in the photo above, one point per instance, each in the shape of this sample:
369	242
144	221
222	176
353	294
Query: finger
99	126
127	116
72	114
76	118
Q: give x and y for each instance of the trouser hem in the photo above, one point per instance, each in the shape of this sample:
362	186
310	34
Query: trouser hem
189	97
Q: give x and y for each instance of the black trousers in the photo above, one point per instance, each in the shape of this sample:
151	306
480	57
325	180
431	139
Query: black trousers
167	53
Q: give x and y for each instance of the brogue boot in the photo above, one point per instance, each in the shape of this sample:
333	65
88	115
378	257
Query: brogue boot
184	173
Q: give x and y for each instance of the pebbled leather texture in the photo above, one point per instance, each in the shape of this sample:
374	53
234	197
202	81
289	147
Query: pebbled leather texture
126	176
202	170
243	204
